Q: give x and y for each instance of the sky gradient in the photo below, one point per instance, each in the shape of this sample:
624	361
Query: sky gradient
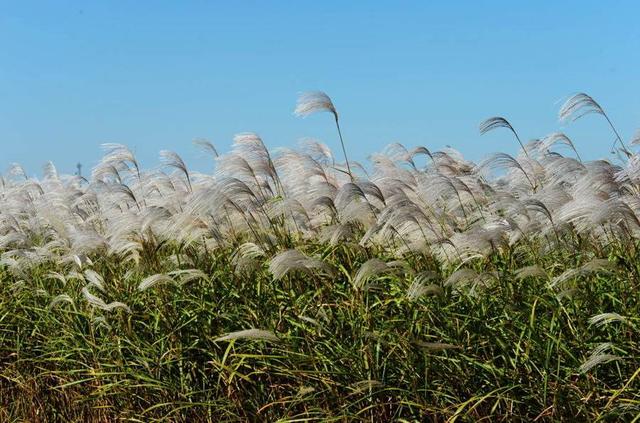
157	75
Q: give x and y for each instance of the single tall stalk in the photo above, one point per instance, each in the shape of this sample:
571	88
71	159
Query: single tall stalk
500	122
613	128
582	104
317	101
344	150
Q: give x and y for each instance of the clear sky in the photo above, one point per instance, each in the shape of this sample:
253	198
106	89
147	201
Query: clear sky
157	74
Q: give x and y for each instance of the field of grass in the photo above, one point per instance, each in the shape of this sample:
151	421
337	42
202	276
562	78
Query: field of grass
296	286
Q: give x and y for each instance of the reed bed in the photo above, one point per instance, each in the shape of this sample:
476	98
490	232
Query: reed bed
292	285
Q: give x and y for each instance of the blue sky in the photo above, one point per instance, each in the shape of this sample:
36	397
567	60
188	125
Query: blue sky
156	75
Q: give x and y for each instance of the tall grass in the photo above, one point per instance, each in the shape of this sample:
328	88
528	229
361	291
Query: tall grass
284	286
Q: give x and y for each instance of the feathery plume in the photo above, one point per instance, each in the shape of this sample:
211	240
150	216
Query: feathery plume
317	101
500	122
374	267
578	105
581	104
253	334
598	356
314	102
290	260
606	318
154	280
206	146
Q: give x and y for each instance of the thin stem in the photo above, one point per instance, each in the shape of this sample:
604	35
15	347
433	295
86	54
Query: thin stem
577	155
624	147
521	144
534	186
344	150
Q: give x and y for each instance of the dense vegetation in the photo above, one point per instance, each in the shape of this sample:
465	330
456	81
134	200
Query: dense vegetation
291	287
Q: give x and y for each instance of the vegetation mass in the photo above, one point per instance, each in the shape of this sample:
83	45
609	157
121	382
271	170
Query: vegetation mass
292	286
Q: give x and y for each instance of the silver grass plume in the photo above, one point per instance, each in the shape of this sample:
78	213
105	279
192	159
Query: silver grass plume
533	271
317	101
16	170
504	160
62	298
154	280
49	171
374	268
598	356
207	146
254	334
465	276
101	304
593	266
247	257
581	104
500	122
311	102
419	287
184	276
290	260
94	279
56	276
117	157
172	159
606	318
559	138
